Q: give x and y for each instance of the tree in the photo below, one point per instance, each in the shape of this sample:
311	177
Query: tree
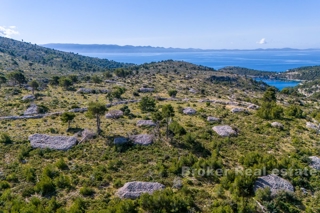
54	80
34	85
3	80
117	92
67	117
122	73
96	79
270	95
65	82
17	77
172	93
96	110
269	108
73	78
167	112
157	117
107	74
147	104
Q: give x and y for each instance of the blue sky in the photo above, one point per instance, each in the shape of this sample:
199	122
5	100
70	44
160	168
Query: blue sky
207	24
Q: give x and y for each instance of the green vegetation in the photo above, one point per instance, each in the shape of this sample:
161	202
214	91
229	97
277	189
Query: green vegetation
96	110
86	177
67	117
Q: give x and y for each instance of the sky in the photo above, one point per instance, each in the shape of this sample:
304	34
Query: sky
206	24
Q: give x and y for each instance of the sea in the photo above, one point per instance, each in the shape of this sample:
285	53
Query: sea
265	60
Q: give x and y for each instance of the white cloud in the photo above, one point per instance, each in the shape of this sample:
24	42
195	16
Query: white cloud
8	31
262	41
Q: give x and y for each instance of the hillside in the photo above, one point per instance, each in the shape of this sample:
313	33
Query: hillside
303	73
195	134
87	176
34	59
248	72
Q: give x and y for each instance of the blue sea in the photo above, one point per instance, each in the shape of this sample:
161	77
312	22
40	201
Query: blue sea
266	60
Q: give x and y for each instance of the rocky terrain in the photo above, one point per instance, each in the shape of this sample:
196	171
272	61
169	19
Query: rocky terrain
145	138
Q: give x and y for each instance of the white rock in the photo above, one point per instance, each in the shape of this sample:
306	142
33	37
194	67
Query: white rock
213	119
52	142
142	139
32	110
192	90
189	111
224	130
276	124
28	97
274	182
315	162
133	190
253	106
142	89
114	114
236	110
145	123
310	125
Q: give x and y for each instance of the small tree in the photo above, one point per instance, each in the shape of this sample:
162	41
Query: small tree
96	79
107	74
147	104
34	85
172	93
167	112
54	80
96	110
269	108
3	80
117	92
157	118
17	77
65	82
67	117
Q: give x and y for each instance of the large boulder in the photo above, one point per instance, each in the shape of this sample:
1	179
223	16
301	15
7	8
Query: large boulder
274	182
120	140
28	98
32	109
145	123
315	162
143	89
114	114
213	119
310	125
224	130
133	190
52	142
189	111
142	139
87	135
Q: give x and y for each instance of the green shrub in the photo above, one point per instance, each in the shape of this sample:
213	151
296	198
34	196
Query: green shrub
86	191
61	164
45	186
176	128
4	185
5	138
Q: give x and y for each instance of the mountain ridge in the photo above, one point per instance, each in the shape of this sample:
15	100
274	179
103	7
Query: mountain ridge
131	48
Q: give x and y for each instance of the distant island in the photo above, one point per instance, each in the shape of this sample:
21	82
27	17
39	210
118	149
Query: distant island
112	48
